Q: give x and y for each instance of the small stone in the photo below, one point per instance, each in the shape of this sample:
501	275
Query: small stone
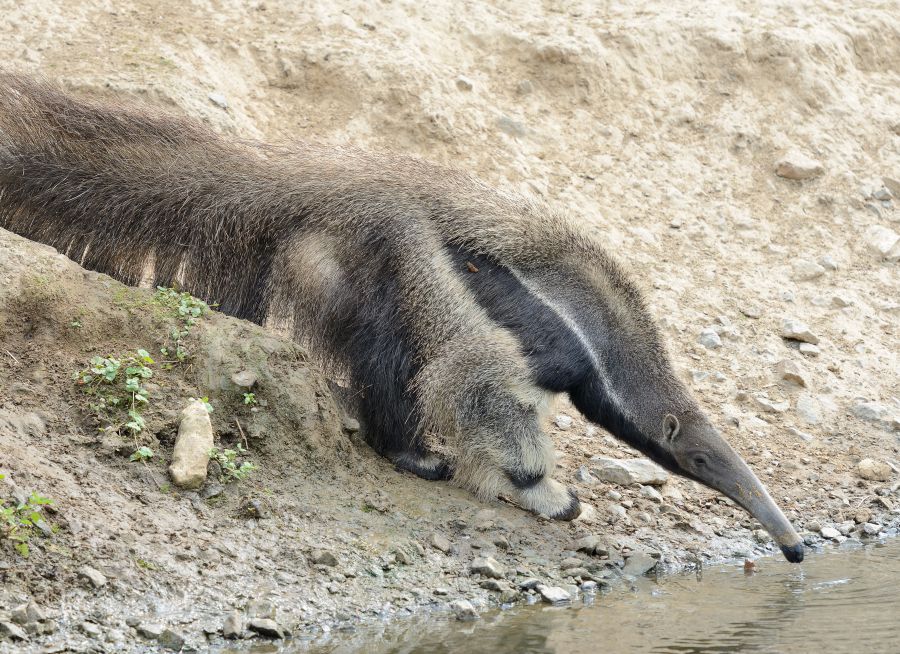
563	422
628	471
440	542
770	406
873	470
809	350
170	639
593	545
323	557
524	87
796	165
571	562
761	536
96	578
266	627
639	563
463	610
828	262
350	425
791	371
800	434
463	83
212	490
150	630
651	494
710	339
805	270
831	533
261	609
881	241
584	476
234	625
613	495
813	525
244	379
797	331
218	99
752	311
862	515
554	594
809	408
192	446
871	529
872	411
588	586
12	631
529	584
488	567
28	612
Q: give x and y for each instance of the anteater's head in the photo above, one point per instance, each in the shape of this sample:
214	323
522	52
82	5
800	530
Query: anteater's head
692	447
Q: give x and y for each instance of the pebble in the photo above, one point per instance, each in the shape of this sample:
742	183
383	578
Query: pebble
563	421
874	470
588	586
218	99
350	425
28	612
463	83
244	379
830	533
651	494
883	241
584	475
771	406
828	262
266	627
710	339
614	495
488	567
805	270
791	371
796	330
96	578
810	350
323	557
170	639
752	311
862	515
871	529
628	471
463	610
234	625
554	594
440	542
192	445
639	563
796	165
871	411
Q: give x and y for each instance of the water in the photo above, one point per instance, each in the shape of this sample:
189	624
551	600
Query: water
836	601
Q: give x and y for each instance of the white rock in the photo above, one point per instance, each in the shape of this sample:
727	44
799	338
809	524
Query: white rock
463	610
463	83
881	241
809	409
796	330
828	262
873	411
810	350
710	339
488	567
805	270
752	311
554	594
584	475
871	529
244	379
563	421
651	494
796	165
792	372
628	471
218	99
192	446
830	532
874	470
771	406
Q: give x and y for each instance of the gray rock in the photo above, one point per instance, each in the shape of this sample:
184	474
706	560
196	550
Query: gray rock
584	475
770	406
593	545
28	612
872	411
792	371
192	446
12	631
529	583
871	529
639	563
488	567
628	471
463	610
554	594
463	83
261	609
613	495
589	586
797	166
511	127
796	330
267	627
93	576
883	241
212	490
234	625
150	630
563	421
323	557
244	379
809	350
710	339
351	425
170	639
805	270
651	494
752	311
830	532
828	262
440	542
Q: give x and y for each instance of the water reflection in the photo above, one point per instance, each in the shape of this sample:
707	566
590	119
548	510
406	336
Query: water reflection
835	602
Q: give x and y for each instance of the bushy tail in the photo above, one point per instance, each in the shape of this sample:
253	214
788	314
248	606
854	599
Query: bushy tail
124	191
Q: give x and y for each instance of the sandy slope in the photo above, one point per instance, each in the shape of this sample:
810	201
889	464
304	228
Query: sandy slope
660	123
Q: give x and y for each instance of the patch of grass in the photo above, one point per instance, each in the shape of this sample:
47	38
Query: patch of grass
142	453
116	388
20	522
188	311
249	399
234	463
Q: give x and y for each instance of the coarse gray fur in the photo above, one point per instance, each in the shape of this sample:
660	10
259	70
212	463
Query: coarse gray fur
396	272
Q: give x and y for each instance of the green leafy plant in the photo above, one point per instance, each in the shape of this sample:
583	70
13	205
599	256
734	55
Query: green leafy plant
249	399
188	311
142	453
21	521
234	463
206	403
116	386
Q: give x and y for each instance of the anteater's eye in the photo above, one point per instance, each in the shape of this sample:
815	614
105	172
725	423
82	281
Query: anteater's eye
699	460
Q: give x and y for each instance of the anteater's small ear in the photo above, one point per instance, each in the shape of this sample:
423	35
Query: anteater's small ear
671	427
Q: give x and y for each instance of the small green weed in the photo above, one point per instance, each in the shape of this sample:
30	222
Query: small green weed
188	311
20	522
117	391
234	463
206	403
249	399
142	453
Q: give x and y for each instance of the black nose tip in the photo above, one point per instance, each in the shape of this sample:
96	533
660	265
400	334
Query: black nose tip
794	553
